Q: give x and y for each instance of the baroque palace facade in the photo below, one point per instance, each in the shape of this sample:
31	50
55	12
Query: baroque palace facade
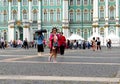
21	18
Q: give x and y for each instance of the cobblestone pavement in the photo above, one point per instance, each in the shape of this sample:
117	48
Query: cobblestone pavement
20	66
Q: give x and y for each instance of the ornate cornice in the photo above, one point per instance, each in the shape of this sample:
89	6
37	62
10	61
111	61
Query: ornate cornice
117	25
26	26
95	25
11	26
65	27
9	0
106	25
30	0
19	0
18	23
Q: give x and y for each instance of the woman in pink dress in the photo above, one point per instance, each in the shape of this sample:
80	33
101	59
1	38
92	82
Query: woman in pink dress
53	44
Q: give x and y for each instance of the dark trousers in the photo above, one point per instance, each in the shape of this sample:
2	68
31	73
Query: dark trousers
62	49
2	45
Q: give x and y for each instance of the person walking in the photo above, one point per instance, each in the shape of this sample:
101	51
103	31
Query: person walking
25	43
62	43
53	44
98	43
40	46
93	44
2	43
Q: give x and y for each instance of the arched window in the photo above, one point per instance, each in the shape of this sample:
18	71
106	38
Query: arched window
102	31
101	12
78	16
45	15
71	16
86	18
112	12
24	15
58	14
51	15
5	16
14	15
35	16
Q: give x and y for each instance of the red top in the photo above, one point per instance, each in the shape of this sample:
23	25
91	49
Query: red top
62	40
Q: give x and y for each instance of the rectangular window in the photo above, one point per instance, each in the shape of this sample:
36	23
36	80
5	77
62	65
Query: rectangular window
101	14
14	2
51	16
25	2
45	17
111	14
25	16
5	18
91	2
71	2
34	16
78	2
14	16
58	16
86	17
58	2
85	2
5	3
78	17
91	16
51	2
45	2
35	2
71	17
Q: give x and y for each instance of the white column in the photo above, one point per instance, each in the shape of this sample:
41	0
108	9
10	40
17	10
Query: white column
106	18
10	24
26	29
30	10
9	2
26	32
117	17
10	32
39	14
95	16
19	10
65	22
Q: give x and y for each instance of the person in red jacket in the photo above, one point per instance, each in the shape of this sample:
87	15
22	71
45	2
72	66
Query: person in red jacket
62	43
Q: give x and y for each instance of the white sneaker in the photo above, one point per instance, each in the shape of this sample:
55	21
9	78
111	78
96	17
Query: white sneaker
39	54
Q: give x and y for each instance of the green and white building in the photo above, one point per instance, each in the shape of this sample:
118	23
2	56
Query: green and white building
21	18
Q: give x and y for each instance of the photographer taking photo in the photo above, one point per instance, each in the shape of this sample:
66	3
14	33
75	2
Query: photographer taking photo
40	47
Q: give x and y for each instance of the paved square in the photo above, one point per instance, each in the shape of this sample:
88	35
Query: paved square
20	66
